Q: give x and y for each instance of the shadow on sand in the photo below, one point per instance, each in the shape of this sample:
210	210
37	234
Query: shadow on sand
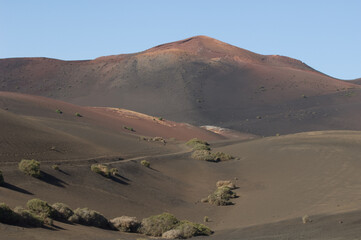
16	189
45	177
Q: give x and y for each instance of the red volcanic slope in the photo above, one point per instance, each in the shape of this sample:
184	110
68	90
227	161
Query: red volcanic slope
198	80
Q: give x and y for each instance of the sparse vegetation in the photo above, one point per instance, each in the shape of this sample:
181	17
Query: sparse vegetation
197	144
88	217
129	128
63	211
226	183
1	178
157	225
145	163
101	169
59	111
222	195
206	219
203	155
126	224
78	115
188	229
153	139
41	208
28	218
160	119
306	219
114	171
30	167
55	167
168	226
221	156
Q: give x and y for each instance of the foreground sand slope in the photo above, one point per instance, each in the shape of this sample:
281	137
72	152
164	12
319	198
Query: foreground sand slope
279	178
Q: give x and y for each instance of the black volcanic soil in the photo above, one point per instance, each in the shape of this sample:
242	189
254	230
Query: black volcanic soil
198	80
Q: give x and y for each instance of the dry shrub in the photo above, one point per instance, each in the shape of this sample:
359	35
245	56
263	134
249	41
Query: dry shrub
88	217
101	169
30	167
157	225
226	183
126	224
63	211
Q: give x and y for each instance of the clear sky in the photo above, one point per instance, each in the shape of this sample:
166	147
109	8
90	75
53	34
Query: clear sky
325	34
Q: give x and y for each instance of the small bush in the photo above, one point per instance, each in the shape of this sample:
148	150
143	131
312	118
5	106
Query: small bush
226	183
101	169
189	229
197	144
157	225
41	208
78	115
221	156
1	178
30	167
88	217
28	218
129	128
306	219
221	197
126	224
63	211
145	163
206	219
55	167
7	215
114	171
58	111
203	155
160	119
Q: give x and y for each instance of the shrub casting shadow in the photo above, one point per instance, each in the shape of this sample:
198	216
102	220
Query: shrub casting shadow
52	180
16	189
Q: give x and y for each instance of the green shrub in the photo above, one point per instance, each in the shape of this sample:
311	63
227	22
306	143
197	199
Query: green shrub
78	115
7	215
55	167
63	211
1	178
221	156
195	141
160	119
30	167
114	171
221	197
203	155
58	111
145	163
129	128
41	208
157	225
101	169
206	219
189	229
197	144
28	218
88	217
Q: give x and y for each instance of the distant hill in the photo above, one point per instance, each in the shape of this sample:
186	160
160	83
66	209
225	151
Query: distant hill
198	80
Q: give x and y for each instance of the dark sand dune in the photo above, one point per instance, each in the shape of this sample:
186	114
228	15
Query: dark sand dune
280	180
199	80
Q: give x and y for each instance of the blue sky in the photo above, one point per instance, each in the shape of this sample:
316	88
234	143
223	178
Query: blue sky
325	34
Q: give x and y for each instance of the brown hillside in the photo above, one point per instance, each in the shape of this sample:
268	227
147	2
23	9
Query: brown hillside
198	80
